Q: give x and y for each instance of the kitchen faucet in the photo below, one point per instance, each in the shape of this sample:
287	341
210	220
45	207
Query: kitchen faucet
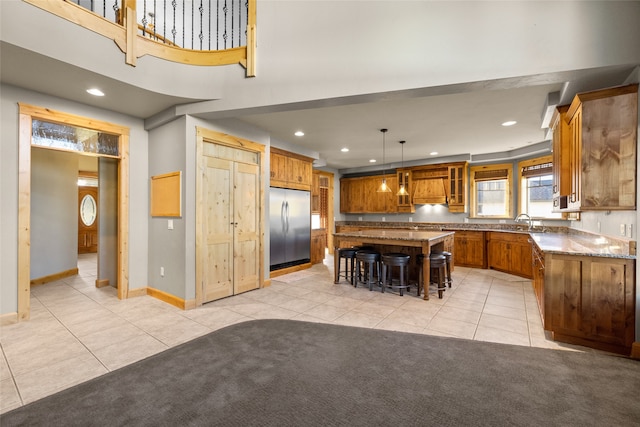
524	216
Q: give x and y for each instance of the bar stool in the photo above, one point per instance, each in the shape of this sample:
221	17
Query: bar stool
370	260
447	255
400	260
349	256
364	248
437	266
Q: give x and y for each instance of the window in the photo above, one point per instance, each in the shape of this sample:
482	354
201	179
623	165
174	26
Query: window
536	188
491	191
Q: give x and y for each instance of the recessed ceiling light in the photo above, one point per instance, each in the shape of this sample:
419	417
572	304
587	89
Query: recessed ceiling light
344	150
372	161
95	92
299	133
434	153
509	123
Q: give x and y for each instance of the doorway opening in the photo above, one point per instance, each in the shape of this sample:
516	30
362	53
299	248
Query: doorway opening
103	140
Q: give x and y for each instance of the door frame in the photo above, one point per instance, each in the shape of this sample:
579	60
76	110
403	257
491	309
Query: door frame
203	136
330	218
26	114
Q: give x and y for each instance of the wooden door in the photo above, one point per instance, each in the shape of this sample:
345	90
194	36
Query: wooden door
87	220
246	228
231	228
218	229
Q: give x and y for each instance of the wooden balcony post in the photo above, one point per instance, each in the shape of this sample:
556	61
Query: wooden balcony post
251	40
131	30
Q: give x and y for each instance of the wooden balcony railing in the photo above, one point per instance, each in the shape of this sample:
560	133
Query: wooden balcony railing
196	32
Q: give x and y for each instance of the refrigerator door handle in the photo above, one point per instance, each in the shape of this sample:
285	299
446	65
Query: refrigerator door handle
282	216
287	216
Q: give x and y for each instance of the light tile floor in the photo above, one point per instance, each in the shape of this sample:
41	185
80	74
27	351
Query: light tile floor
78	332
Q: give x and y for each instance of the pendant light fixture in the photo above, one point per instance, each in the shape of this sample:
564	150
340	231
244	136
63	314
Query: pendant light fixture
384	188
402	191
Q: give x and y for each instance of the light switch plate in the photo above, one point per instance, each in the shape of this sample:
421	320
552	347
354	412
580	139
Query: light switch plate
623	229
170	224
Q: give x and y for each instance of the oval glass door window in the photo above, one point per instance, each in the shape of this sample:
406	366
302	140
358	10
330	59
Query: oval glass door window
88	210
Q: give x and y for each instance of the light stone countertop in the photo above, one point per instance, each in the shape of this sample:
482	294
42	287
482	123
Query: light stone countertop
583	244
558	240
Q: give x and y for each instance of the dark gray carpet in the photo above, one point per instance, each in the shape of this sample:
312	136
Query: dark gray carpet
288	373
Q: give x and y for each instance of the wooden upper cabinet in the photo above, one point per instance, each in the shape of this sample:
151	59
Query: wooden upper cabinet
458	187
432	184
290	170
603	126
562	137
360	195
405	202
315	193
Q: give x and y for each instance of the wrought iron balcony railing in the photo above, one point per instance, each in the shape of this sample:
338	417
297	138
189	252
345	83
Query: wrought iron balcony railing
198	32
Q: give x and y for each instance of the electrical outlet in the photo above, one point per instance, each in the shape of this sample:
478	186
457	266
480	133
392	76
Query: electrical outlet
384	219
502	221
170	224
161	271
410	219
623	229
359	218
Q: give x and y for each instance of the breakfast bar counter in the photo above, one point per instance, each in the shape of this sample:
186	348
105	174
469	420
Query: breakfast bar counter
425	240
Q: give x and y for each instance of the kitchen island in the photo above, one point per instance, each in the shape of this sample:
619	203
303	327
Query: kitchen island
584	283
424	240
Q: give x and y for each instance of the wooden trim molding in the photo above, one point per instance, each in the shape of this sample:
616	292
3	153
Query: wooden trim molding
635	350
168	298
135	45
102	283
288	270
8	319
26	114
53	277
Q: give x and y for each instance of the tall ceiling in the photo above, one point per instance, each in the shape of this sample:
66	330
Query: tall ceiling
452	121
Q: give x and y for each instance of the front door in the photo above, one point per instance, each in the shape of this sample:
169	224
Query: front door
231	261
87	220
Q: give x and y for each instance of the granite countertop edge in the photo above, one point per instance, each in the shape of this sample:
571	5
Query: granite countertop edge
553	240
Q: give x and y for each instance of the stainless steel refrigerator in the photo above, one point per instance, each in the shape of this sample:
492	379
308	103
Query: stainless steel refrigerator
290	227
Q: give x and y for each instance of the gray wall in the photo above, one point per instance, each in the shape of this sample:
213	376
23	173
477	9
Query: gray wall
138	186
54	212
108	220
167	153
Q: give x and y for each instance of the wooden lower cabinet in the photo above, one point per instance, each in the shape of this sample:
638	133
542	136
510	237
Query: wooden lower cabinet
470	249
590	301
538	264
318	245
510	252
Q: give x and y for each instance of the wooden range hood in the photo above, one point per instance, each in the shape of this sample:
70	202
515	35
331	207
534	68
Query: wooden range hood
430	185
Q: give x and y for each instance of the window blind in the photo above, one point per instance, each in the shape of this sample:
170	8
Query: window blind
537	170
488	175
